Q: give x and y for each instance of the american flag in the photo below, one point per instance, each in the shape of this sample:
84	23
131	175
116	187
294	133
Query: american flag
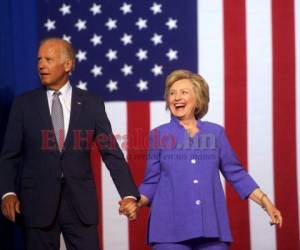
249	53
124	49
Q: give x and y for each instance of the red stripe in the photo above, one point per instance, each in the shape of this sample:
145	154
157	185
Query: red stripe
236	111
96	168
284	120
138	115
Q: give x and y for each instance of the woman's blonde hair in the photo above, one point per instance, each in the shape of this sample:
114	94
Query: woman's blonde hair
201	89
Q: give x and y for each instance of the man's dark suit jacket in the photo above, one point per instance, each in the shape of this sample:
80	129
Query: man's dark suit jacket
30	147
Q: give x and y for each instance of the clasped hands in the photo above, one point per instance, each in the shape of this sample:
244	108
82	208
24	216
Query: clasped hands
129	207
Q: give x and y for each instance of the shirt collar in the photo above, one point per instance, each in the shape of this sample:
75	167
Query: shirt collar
64	90
176	122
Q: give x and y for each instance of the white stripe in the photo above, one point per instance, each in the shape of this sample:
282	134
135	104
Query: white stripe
211	57
115	226
158	114
259	104
62	243
297	42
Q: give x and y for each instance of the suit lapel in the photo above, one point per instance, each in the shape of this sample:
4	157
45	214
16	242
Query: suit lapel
42	106
76	106
43	109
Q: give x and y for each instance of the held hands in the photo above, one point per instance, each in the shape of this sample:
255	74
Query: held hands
131	210
10	205
129	207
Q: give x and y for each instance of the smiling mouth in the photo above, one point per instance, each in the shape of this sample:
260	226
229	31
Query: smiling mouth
179	106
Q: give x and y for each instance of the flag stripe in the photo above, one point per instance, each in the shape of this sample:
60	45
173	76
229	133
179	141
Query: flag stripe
284	121
96	167
297	43
62	243
115	227
211	57
158	114
236	110
259	110
138	114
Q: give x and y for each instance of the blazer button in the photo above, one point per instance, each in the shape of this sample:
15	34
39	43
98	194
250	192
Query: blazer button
193	161
197	202
195	181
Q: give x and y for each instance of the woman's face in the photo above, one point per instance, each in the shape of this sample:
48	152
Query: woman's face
182	100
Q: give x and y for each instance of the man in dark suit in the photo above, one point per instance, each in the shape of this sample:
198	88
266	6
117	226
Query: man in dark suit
47	143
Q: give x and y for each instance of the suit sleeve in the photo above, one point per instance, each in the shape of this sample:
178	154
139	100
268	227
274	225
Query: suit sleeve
112	155
232	169
11	154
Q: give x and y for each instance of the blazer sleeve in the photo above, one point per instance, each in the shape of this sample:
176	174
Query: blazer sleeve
112	154
152	175
232	169
11	154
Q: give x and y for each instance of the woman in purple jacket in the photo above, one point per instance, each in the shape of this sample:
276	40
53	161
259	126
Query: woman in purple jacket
182	181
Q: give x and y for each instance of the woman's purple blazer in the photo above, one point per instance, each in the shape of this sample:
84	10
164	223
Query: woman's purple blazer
182	182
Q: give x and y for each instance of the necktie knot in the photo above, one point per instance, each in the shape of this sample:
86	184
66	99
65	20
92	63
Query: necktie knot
56	94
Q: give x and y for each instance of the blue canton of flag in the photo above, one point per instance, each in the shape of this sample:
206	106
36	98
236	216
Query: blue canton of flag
124	50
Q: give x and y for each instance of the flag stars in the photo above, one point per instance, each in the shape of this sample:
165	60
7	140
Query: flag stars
157	70
112	85
95	9
141	23
172	24
126	39
111	24
96	70
81	55
126	8
50	24
66	38
96	40
65	9
156	8
142	85
142	54
172	54
111	55
82	85
156	39
80	25
127	70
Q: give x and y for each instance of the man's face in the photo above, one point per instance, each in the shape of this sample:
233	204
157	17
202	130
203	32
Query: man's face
53	64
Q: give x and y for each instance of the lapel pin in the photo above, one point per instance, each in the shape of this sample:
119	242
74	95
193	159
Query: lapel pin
79	103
